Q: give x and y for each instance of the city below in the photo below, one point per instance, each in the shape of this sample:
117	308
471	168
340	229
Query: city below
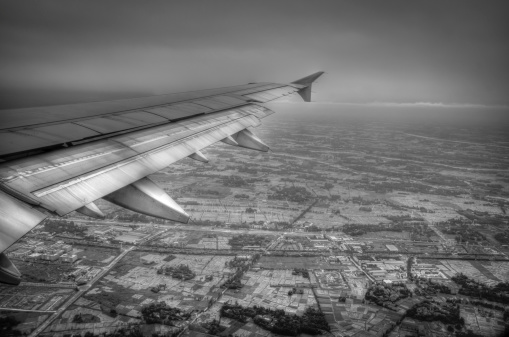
347	227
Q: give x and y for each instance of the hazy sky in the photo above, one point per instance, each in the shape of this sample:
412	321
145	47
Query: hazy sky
373	51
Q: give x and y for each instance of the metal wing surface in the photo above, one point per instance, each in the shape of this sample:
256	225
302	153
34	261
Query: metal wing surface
61	159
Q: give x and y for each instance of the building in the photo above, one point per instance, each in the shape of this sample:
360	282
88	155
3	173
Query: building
34	256
68	258
102	232
392	248
21	253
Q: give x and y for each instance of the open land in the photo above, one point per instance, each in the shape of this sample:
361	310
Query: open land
335	213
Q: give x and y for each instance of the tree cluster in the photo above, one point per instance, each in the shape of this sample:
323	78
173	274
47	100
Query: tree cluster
161	313
213	327
236	263
483	218
207	223
61	226
463	231
6	326
234	282
430	288
295	291
313	321
182	272
498	293
502	237
328	186
130	332
385	296
301	271
85	318
361	229
292	193
481	303
447	313
234	181
249	240
135	217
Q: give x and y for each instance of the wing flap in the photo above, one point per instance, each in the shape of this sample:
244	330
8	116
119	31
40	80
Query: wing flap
67	179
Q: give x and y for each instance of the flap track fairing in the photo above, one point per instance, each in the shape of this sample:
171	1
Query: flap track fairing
199	156
91	210
144	196
247	139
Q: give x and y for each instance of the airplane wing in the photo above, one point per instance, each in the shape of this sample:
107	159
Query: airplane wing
59	159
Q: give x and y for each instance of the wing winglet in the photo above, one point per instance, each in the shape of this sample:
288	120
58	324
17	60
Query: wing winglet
307	81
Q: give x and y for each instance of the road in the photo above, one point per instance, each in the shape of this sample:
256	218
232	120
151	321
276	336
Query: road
46	285
25	310
360	268
222	230
82	290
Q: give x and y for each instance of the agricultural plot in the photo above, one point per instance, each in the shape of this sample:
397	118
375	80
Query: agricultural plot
33	298
467	268
173	237
499	269
330	280
483	321
352	212
93	255
269	288
40	272
131	284
220	242
386	235
28	321
352	317
358	283
286	262
287	245
103	323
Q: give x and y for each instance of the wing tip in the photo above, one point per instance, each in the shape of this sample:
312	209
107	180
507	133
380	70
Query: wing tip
309	79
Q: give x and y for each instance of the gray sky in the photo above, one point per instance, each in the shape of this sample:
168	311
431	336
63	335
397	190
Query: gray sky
373	51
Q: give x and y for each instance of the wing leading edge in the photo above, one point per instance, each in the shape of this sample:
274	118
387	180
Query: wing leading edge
132	139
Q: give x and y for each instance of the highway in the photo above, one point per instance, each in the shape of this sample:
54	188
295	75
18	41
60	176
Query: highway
222	230
28	310
82	290
360	268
